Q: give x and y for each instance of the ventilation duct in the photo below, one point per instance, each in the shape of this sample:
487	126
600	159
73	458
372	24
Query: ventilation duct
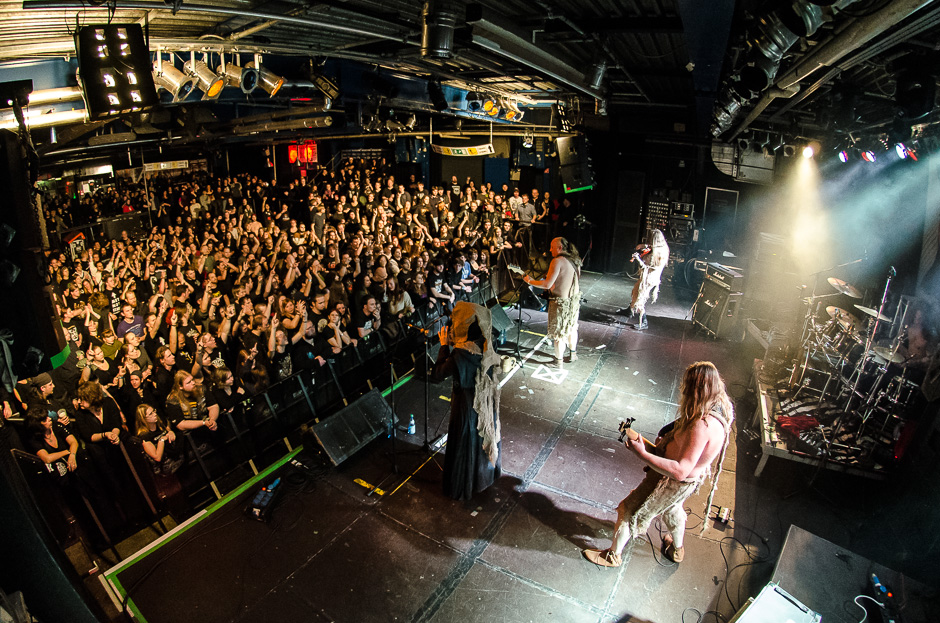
437	29
773	36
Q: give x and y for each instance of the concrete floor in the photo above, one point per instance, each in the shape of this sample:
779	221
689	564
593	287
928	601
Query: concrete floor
514	552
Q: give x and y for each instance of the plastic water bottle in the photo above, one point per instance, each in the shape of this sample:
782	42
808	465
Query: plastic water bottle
411	425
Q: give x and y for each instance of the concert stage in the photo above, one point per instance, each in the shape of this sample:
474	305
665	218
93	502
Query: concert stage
334	552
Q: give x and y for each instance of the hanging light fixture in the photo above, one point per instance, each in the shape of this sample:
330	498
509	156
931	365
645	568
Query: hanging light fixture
245	78
490	106
207	80
172	80
267	80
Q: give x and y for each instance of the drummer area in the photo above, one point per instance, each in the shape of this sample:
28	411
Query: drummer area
849	391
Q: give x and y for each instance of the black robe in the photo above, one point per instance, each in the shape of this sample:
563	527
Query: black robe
467	470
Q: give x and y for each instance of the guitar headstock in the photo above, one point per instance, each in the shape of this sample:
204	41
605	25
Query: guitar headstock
625	425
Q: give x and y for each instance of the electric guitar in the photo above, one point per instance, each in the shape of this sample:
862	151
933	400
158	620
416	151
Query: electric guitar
516	269
626	430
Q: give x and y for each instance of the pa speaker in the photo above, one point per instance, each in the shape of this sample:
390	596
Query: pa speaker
346	432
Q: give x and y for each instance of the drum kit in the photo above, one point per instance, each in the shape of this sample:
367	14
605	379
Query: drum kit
838	359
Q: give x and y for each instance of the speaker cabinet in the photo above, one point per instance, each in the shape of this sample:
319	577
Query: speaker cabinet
501	321
716	309
346	432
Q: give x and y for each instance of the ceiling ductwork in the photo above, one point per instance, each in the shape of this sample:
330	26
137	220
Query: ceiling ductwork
773	36
438	20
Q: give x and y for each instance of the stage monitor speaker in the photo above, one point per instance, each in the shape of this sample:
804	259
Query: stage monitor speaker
346	432
501	321
716	309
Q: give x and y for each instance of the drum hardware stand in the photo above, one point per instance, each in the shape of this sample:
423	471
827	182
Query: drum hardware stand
865	355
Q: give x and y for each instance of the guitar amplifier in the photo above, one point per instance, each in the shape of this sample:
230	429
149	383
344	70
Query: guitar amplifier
726	277
716	309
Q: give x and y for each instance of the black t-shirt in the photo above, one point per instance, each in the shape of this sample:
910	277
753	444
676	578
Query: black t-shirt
361	321
281	365
304	354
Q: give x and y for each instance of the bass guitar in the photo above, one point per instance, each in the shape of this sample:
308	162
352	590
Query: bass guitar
626	430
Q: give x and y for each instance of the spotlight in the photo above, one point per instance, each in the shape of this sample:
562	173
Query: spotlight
743	144
490	106
511	111
809	152
868	155
207	80
267	80
436	96
843	156
172	80
789	151
410	121
244	78
474	101
900	150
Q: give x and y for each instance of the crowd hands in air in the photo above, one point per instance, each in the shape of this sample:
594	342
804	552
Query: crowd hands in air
239	284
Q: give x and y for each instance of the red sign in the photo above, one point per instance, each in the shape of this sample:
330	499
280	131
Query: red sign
292	153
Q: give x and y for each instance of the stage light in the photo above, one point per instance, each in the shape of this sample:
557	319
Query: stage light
436	96
172	80
868	155
511	111
789	151
843	156
490	106
114	69
474	101
267	80
809	152
208	81
244	78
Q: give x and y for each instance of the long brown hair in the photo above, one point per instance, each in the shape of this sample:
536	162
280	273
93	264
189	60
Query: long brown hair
702	389
176	394
141	420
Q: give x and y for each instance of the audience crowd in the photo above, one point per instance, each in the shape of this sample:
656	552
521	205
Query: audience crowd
241	283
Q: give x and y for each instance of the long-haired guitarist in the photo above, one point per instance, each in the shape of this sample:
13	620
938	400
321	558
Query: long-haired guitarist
679	463
652	260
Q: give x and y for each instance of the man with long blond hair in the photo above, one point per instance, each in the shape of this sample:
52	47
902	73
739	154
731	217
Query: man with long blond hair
678	464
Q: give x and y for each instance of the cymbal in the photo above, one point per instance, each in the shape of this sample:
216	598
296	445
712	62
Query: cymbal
845	287
872	312
888	354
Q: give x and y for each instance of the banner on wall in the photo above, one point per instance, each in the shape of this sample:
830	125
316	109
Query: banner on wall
479	150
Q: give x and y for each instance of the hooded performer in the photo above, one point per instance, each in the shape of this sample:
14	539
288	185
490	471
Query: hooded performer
472	461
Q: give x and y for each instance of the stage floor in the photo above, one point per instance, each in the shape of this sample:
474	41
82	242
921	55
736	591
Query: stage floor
333	553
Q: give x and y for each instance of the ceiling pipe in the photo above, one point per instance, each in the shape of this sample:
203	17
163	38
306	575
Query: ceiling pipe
153	5
298	124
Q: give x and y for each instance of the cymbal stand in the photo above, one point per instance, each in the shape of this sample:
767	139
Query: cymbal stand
871	336
869	342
